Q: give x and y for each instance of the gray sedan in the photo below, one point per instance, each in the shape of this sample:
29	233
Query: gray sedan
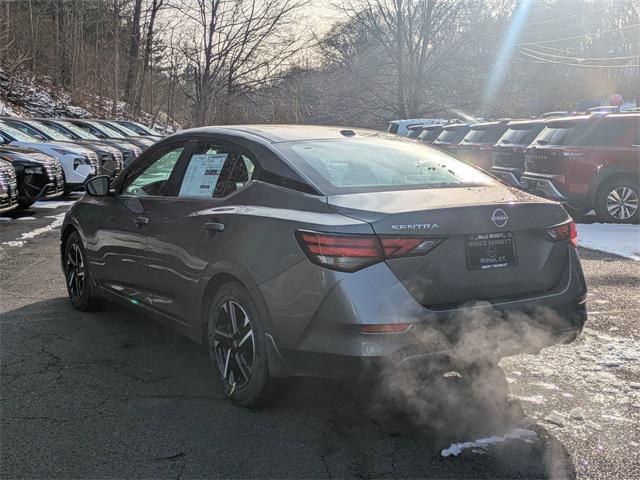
324	251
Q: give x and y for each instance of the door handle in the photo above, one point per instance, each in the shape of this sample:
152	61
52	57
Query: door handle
213	227
141	221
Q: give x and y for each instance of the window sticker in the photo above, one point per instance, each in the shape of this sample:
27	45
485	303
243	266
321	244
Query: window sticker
202	175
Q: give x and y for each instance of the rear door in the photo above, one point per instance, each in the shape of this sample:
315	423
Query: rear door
186	228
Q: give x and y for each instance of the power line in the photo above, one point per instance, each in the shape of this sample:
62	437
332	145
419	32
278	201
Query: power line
547	60
580	59
577	36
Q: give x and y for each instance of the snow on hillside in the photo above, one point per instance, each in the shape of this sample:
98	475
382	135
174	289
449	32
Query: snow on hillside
23	95
623	240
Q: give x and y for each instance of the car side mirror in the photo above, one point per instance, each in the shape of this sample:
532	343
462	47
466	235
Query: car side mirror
97	186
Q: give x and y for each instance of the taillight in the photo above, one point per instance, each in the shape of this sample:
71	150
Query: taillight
349	253
566	231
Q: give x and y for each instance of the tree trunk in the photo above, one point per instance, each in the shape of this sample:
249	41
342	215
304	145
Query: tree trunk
116	57
134	50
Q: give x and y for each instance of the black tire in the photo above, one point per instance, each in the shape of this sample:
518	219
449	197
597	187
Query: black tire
80	288
611	207
238	352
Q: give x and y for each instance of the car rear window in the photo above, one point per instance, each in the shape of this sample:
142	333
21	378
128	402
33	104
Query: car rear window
520	134
560	133
488	134
393	128
414	132
429	134
452	135
349	165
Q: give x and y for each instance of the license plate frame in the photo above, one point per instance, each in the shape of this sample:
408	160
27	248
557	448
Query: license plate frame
490	251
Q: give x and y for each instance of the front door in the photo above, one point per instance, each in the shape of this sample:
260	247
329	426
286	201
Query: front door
121	254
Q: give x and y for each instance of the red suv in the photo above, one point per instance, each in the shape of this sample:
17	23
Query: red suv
588	161
508	154
451	136
476	147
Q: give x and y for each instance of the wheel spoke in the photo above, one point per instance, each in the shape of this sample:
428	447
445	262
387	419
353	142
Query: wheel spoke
247	336
243	368
226	364
232	313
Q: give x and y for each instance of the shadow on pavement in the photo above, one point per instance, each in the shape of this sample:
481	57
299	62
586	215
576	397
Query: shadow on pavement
113	394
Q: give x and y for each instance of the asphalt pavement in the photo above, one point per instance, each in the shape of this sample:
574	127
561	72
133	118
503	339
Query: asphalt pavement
113	394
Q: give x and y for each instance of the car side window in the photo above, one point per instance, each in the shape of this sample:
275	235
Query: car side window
153	179
215	171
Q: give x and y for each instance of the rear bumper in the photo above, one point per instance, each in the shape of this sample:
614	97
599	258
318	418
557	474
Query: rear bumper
331	343
509	175
543	185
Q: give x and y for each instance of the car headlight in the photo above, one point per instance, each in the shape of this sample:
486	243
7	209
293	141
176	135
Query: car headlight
34	170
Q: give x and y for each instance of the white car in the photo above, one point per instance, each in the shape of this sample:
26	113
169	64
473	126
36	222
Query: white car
78	163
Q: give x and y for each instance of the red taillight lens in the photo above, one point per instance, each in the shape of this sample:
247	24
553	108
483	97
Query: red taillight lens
385	328
352	252
566	231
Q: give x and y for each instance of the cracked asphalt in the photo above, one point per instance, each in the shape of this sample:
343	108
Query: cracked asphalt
113	394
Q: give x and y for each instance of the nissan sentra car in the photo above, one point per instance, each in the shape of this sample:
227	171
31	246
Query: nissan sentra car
324	251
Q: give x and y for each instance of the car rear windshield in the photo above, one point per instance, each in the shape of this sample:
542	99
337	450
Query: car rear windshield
489	134
452	135
374	164
430	134
393	128
414	132
520	134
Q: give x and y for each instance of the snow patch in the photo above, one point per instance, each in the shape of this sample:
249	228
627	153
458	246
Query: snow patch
482	444
56	223
619	239
53	204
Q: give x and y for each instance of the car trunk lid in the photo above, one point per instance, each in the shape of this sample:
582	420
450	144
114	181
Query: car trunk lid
471	224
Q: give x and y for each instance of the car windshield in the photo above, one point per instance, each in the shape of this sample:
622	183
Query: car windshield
139	128
107	130
50	132
344	165
123	129
81	132
17	134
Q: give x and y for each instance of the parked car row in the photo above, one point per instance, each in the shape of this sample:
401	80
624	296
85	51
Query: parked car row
587	162
46	157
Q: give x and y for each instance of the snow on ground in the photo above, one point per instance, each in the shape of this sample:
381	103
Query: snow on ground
481	445
55	223
5	110
619	239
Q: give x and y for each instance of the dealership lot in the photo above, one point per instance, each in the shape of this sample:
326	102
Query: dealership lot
115	394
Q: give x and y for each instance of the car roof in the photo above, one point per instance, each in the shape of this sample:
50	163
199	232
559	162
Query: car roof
286	133
455	126
532	121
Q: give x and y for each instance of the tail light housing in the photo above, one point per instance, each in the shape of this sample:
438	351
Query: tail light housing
349	253
566	231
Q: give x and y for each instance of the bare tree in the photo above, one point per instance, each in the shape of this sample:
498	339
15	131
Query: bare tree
239	44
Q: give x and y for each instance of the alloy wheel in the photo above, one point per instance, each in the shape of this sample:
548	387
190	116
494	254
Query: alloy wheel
233	344
75	272
622	203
